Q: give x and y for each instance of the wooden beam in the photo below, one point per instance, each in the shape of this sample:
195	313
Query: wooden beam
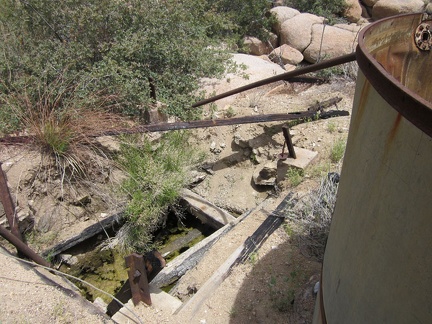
241	254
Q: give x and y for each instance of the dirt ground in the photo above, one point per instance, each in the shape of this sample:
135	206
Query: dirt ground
276	284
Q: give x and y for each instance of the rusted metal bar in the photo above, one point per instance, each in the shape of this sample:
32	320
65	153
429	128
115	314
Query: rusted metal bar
138	279
22	247
212	123
200	124
8	205
284	76
288	142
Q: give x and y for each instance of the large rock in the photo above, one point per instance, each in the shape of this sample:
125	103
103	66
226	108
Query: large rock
256	70
265	176
286	54
256	46
370	3
282	14
297	31
354	11
387	8
335	42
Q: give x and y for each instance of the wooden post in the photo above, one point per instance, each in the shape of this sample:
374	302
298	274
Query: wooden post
138	279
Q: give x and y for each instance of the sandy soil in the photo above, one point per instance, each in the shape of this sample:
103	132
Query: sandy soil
276	284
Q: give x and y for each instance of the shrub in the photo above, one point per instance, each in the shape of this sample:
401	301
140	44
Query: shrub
295	176
113	46
310	218
250	18
338	150
157	173
331	9
60	122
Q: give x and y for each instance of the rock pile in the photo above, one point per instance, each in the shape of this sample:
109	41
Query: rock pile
298	37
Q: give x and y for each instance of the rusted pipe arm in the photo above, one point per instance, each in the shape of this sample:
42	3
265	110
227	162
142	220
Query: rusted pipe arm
22	247
284	76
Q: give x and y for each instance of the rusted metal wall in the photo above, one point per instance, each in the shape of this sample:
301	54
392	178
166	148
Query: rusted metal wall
377	265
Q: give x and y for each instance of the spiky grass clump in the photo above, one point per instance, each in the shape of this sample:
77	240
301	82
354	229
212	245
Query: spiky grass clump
61	123
337	151
157	171
309	221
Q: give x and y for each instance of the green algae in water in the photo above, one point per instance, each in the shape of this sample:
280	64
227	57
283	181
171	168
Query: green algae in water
103	268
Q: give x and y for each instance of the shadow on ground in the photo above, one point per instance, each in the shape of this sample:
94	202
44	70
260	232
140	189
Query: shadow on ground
279	288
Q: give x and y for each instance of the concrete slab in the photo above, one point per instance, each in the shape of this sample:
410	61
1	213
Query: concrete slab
161	301
304	158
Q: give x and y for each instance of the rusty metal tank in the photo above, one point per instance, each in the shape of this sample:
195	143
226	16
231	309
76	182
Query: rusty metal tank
378	261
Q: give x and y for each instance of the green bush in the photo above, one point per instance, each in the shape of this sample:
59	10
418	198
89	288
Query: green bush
337	151
331	9
157	173
114	47
250	18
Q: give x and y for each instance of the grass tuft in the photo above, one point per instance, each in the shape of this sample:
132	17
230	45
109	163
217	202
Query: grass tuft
157	172
310	219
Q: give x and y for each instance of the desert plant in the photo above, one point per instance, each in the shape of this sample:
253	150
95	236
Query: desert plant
113	46
255	97
295	176
337	151
310	218
250	18
60	123
156	174
331	127
331	9
230	112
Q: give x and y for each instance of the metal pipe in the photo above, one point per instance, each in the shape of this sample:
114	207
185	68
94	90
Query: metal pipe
22	247
8	205
288	141
284	76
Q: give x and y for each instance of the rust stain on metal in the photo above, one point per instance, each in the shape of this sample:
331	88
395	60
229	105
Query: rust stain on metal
393	131
361	106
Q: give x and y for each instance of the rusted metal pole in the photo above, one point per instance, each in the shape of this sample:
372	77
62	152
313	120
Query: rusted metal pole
284	76
138	279
288	142
22	247
8	205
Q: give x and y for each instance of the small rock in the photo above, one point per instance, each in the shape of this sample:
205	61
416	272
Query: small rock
265	176
103	215
212	146
82	201
68	259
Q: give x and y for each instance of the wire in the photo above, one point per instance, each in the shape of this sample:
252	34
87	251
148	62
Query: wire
73	277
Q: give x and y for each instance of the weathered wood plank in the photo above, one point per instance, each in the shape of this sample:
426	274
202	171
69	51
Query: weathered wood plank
90	231
252	243
190	258
205	211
